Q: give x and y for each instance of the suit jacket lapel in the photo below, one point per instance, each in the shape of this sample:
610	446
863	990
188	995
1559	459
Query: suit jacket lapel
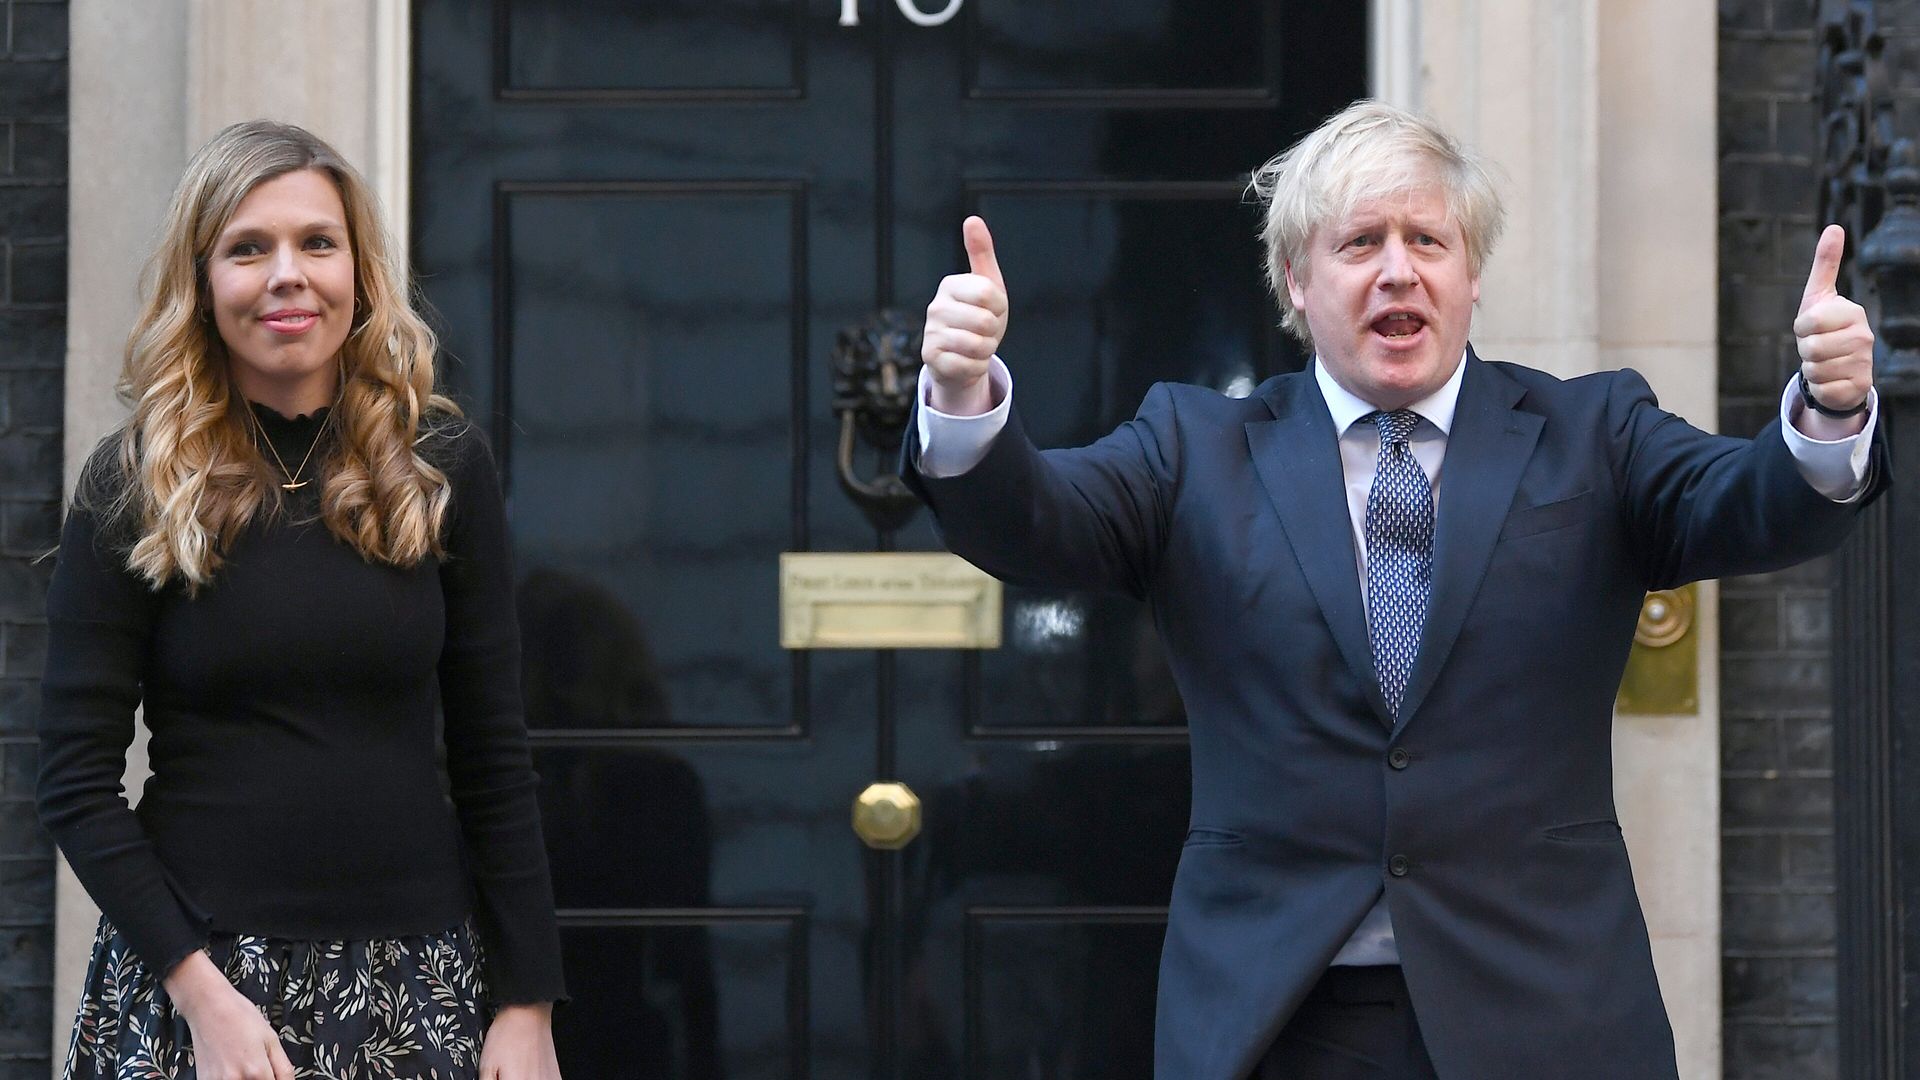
1487	450
1297	455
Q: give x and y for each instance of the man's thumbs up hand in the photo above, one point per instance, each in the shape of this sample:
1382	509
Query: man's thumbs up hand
965	323
1836	345
980	257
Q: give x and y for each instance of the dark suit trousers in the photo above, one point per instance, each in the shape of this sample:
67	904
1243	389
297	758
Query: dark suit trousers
1356	1024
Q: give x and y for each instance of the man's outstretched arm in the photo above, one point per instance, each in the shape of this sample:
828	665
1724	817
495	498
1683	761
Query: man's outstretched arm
1092	517
1709	506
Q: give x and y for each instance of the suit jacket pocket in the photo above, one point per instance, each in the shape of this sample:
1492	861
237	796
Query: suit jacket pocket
1603	831
1546	517
1213	838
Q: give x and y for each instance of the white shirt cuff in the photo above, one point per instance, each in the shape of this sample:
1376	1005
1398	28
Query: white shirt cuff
951	445
1835	469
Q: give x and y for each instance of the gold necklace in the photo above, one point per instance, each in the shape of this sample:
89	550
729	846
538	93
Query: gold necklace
294	483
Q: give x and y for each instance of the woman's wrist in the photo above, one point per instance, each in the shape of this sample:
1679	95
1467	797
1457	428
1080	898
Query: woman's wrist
193	982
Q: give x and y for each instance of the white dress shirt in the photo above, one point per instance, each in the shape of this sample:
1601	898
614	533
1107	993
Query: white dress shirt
951	445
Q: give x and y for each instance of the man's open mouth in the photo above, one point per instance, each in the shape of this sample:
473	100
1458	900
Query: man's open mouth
1400	324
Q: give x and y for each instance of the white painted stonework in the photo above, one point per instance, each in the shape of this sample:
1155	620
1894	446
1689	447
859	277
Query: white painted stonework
150	81
1603	119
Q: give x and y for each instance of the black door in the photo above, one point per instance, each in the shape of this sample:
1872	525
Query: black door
643	224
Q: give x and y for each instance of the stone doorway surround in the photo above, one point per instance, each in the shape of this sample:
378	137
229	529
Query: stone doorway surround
1605	128
151	81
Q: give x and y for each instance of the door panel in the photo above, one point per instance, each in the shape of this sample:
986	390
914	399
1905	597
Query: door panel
643	226
662	49
622	397
655	986
1085	1008
1139	50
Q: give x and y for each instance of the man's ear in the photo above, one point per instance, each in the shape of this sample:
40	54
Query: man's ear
1298	297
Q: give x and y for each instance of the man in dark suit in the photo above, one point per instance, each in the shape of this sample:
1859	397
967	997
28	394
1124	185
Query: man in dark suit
1397	591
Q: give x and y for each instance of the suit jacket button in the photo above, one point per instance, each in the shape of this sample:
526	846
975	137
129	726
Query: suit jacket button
1399	865
1399	758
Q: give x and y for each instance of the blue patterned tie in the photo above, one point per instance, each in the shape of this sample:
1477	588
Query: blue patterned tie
1399	555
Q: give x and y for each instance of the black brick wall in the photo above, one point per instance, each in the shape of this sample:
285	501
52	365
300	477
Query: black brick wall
33	291
1777	724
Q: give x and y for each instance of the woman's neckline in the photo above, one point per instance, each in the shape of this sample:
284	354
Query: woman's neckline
272	417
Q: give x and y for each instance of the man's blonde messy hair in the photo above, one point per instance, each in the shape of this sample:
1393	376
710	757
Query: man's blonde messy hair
1369	150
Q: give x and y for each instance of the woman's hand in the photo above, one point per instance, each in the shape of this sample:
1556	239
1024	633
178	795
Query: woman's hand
519	1045
231	1040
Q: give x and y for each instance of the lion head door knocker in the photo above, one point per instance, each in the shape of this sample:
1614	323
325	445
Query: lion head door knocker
876	368
883	599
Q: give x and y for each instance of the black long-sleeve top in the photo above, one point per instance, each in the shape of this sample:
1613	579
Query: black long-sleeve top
296	788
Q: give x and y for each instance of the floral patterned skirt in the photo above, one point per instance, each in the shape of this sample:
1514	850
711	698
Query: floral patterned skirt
388	1009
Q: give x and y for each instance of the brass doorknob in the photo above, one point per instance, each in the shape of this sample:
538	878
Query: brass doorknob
887	816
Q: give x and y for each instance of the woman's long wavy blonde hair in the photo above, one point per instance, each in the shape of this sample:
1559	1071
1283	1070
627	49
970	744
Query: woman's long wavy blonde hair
194	475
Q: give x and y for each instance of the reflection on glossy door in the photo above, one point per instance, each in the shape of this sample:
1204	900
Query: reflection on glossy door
642	225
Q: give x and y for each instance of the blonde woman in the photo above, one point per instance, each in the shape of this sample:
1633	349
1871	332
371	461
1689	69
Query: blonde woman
291	556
